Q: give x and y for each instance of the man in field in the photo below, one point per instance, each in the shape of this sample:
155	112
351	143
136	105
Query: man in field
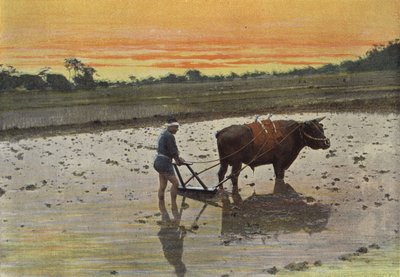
166	152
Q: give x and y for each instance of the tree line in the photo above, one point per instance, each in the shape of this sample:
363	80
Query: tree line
379	57
81	76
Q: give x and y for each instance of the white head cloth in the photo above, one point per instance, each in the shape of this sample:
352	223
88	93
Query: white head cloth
172	124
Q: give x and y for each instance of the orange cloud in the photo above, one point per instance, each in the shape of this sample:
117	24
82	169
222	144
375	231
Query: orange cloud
248	62
205	65
192	34
301	63
107	65
187	65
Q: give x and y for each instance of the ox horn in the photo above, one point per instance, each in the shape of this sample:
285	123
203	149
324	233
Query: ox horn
319	119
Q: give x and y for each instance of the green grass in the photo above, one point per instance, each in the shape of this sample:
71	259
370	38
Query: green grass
271	88
334	91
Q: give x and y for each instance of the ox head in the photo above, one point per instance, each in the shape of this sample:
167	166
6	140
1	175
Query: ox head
313	134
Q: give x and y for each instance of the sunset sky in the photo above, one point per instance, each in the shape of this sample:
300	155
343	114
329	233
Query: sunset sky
143	38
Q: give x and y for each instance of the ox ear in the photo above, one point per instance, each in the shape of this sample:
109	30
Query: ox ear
319	119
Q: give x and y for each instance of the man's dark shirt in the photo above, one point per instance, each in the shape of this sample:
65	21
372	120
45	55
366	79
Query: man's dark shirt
167	145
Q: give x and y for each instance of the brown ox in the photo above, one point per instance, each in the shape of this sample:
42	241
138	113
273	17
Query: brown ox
267	142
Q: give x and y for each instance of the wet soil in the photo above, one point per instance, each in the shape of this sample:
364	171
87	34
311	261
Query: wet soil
86	204
377	105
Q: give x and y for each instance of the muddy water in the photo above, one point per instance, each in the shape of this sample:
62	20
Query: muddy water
86	205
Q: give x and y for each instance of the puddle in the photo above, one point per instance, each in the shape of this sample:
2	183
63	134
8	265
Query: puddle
86	204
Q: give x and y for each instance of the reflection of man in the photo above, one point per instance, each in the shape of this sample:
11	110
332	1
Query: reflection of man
171	236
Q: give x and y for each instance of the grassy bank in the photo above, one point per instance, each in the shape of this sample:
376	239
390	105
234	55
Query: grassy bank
113	107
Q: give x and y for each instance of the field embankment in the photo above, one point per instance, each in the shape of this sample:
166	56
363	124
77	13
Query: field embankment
367	91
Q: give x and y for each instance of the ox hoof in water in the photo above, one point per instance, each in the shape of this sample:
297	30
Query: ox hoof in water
283	188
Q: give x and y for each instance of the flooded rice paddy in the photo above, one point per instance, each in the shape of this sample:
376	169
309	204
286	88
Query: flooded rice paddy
86	205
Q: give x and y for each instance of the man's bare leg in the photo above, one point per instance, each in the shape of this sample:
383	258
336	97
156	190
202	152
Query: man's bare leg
174	189
163	186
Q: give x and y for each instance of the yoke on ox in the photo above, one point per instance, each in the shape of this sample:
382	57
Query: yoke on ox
267	142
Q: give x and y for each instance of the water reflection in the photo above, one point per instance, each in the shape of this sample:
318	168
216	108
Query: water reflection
271	214
171	236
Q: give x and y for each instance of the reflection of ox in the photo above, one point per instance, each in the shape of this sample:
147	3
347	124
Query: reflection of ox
267	142
272	214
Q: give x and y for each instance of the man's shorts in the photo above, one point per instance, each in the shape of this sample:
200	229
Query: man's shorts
163	165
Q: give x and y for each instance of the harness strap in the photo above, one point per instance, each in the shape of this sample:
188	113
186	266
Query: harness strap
314	138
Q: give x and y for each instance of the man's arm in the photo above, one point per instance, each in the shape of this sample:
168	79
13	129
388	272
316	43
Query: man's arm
173	148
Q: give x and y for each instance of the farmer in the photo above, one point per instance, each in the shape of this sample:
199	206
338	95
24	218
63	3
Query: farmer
166	151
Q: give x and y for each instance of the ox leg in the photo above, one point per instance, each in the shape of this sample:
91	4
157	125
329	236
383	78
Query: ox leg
235	173
221	172
280	185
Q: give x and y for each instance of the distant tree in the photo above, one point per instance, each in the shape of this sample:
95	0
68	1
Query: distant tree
381	57
217	78
58	82
133	79
103	84
9	69
245	75
257	73
8	78
119	84
328	68
172	78
84	78
43	72
232	76
7	81
193	75
73	64
31	82
349	66
148	81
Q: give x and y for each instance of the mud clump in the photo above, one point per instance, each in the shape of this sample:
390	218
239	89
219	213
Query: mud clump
20	156
273	270
358	159
2	192
29	187
332	153
349	257
111	162
362	250
302	266
374	246
318	263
